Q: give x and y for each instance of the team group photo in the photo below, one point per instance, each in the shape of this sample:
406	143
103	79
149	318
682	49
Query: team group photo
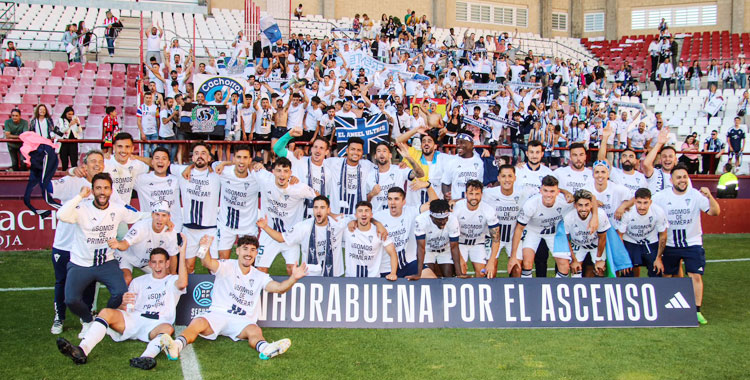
232	189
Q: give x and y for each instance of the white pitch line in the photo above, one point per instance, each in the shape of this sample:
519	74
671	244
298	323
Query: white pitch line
471	272
191	370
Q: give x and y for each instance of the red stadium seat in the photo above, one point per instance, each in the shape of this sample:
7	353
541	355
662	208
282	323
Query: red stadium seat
101	91
47	99
97	110
98	100
68	90
35	89
117	91
10	71
29	99
65	100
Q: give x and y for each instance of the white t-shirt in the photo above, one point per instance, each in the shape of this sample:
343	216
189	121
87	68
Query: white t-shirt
124	176
148	115
612	197
143	239
363	252
295	116
95	227
643	229
659	181
344	197
264	120
156	298
632	182
281	206
529	180
458	170
166	129
434	170
436	240
153	42
314	114
684	216
301	234
153	190
540	219
401	232
200	197
394	177
578	229
65	189
506	208
572	180
237	293
246	115
239	201
474	224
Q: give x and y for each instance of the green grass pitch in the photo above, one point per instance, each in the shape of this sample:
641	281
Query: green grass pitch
718	350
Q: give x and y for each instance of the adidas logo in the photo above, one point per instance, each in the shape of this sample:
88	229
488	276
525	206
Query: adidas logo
677	302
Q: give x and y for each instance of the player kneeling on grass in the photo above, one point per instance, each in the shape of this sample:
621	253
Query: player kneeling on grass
236	301
586	247
643	229
146	314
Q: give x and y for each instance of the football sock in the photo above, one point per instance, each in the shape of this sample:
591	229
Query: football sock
261	345
578	275
698	308
526	273
181	343
153	348
559	274
94	335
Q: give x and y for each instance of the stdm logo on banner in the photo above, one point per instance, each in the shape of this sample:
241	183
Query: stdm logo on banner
474	303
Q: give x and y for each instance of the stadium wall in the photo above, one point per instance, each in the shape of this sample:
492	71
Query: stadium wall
731	14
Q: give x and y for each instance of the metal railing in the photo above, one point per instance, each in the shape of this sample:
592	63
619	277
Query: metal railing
120	38
49	44
7	19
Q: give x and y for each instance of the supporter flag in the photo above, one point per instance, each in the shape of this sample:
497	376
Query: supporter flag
441	104
269	29
371	130
617	256
203	119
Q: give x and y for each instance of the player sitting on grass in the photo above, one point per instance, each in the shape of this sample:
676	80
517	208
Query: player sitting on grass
236	301
147	312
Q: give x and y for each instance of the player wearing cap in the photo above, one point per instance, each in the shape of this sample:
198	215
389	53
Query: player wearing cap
475	220
134	251
643	229
437	232
235	301
464	166
586	248
147	313
319	237
683	205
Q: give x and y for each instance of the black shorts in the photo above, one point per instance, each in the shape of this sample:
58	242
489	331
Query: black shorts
278	132
408	270
306	136
643	255
693	256
262	137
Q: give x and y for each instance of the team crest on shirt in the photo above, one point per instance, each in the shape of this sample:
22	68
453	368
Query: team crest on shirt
608	196
246	185
476	166
559	210
286	197
687	201
169	182
585	177
370	238
516	198
112	216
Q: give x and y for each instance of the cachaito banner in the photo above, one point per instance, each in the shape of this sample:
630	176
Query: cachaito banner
23	230
325	302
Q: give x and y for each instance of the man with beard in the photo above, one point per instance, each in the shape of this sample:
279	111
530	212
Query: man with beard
145	236
235	301
576	175
506	199
464	166
627	176
528	180
159	186
683	205
643	230
200	189
319	237
387	176
349	174
92	254
309	169
537	222
65	189
432	163
475	220
659	178
610	195
586	254
437	234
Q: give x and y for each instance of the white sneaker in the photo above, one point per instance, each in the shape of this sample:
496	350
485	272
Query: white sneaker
169	347
276	348
84	329
57	327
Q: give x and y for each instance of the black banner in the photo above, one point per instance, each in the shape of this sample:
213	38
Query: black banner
472	303
203	119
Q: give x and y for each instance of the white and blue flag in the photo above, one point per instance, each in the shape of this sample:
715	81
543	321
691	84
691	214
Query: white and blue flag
269	29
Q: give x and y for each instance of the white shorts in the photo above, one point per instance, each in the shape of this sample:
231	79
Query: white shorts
532	241
475	253
508	246
137	327
582	253
194	236
224	324
270	248
439	257
128	261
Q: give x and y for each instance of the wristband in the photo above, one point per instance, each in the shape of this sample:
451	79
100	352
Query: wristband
202	252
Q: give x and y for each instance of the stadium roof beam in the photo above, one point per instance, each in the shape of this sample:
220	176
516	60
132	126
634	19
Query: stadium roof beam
174	6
